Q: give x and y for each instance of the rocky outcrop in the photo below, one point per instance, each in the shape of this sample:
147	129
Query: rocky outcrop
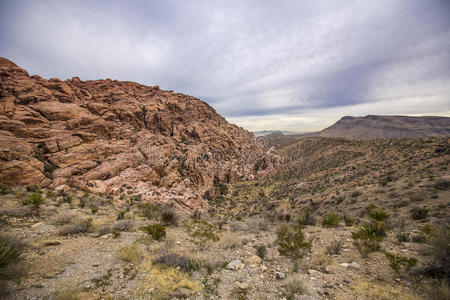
117	137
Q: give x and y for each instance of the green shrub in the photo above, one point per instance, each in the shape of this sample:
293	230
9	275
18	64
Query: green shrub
366	240
305	218
378	214
291	241
330	220
400	263
5	188
403	237
223	189
238	218
379	228
10	250
419	213
348	220
94	209
427	229
204	232
261	251
34	199
157	231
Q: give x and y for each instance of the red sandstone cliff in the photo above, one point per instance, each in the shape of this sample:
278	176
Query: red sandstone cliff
117	137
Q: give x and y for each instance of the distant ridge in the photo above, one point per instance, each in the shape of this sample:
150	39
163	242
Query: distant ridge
375	127
267	132
371	127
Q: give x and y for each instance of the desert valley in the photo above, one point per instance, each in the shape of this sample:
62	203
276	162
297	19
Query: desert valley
116	190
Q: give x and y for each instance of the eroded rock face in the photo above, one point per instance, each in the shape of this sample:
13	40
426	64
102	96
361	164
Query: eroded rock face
118	137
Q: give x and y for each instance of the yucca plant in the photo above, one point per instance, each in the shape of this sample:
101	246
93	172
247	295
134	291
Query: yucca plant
291	241
378	214
10	250
157	231
366	239
379	228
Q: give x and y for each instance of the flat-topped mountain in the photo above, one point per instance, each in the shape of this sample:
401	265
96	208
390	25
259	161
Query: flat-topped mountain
115	137
374	127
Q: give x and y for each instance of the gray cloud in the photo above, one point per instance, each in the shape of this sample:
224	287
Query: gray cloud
254	61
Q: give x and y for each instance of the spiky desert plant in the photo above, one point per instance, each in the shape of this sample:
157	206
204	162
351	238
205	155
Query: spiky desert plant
378	214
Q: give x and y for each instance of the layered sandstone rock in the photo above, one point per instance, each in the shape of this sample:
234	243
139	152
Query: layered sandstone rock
118	137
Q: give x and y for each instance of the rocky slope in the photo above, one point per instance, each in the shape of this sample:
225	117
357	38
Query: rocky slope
375	127
114	137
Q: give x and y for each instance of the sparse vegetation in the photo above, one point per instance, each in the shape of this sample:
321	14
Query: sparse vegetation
34	199
156	231
334	248
77	226
294	288
130	254
176	261
366	240
261	251
378	214
439	263
419	213
400	263
123	225
403	237
291	241
5	189
169	215
331	220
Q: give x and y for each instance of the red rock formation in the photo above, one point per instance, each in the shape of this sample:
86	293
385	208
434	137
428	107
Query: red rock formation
117	137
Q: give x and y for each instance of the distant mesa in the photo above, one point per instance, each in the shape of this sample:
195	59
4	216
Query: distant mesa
376	127
371	127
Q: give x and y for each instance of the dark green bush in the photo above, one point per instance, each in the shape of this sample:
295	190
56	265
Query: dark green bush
34	199
366	240
306	218
261	251
403	237
419	213
223	189
378	214
10	250
348	220
5	188
291	241
330	220
399	263
157	231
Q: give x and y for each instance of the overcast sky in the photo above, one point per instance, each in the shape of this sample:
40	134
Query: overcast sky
288	65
